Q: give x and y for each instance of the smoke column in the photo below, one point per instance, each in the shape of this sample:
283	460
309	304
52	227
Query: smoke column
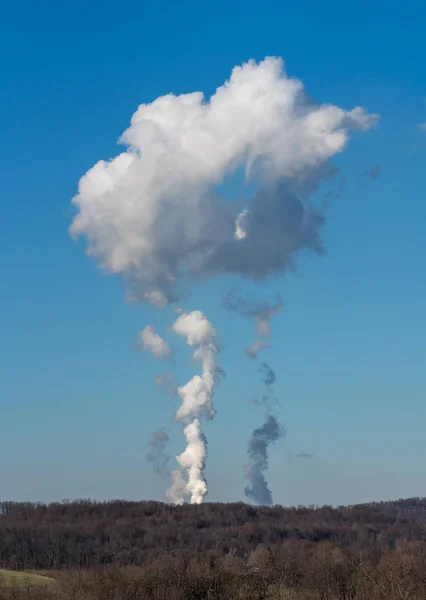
193	461
258	446
197	401
157	454
261	438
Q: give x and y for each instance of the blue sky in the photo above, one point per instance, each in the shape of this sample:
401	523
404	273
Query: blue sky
77	401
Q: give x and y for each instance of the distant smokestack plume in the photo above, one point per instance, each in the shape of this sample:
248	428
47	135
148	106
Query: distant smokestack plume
157	454
193	460
259	442
197	401
258	490
154	214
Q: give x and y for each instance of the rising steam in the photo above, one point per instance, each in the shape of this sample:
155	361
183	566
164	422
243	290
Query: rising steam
197	401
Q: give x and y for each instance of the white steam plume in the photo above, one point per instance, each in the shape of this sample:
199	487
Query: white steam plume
177	492
153	214
154	343
193	461
197	394
197	400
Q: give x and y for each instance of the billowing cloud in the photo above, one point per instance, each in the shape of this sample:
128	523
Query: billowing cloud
154	214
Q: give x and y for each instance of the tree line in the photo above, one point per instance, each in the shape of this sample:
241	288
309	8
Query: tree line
86	534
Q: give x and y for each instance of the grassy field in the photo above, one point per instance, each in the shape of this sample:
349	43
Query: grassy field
24	578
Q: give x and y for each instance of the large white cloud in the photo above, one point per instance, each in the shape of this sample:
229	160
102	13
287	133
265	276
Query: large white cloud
154	215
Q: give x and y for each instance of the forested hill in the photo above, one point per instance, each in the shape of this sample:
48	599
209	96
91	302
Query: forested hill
86	533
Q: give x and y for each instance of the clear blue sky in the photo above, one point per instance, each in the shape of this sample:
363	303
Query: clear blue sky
77	401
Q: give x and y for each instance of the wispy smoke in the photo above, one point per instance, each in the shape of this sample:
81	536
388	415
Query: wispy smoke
197	401
268	375
261	312
154	343
303	454
157	454
268	379
373	172
255	347
258	490
166	382
300	455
